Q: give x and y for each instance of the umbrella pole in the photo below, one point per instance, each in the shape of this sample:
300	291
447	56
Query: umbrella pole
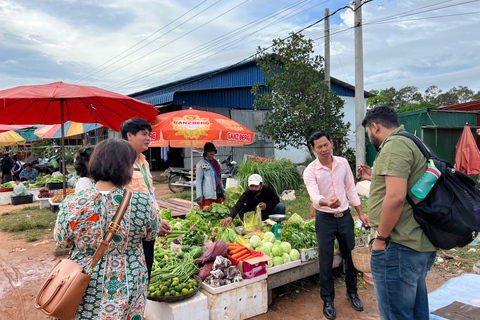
191	168
63	148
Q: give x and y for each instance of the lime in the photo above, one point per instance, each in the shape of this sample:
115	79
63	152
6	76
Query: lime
151	289
167	294
167	283
195	283
178	288
190	280
174	283
190	290
176	279
177	293
172	293
158	293
164	289
185	291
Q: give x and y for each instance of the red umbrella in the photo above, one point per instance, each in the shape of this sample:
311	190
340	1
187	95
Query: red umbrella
58	102
467	157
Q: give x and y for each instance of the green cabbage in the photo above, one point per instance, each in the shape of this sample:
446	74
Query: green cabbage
277	243
277	251
295	219
269	245
269	264
263	249
286	247
255	241
286	258
269	237
277	261
294	255
249	246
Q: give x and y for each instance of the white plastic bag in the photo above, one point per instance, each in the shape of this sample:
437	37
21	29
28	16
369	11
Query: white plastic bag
20	190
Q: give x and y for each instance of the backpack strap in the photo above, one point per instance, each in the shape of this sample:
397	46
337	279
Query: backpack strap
428	154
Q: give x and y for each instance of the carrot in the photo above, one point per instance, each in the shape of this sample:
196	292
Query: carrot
236	250
239	254
245	256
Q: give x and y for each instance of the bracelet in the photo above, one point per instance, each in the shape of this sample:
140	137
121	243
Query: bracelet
381	238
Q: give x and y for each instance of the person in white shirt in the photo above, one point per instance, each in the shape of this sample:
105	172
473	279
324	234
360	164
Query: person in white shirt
82	157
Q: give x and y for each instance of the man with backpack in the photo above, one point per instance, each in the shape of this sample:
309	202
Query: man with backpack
402	254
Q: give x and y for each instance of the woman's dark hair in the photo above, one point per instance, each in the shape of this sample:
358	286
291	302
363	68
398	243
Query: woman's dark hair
317	135
82	157
133	126
384	115
27	165
112	160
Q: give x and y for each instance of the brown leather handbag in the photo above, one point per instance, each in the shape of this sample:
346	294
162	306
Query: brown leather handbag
64	288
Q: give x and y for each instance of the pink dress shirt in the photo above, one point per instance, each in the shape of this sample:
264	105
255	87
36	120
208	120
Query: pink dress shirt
323	183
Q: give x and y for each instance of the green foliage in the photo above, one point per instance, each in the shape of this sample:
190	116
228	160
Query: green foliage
36	147
279	174
416	106
31	223
410	98
300	101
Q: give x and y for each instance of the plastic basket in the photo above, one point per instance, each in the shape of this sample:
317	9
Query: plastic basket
22	199
54	185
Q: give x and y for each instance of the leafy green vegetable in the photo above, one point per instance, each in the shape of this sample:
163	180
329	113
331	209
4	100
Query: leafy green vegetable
232	195
194	237
300	236
228	235
166	214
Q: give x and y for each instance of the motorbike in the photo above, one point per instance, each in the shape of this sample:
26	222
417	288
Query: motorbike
179	178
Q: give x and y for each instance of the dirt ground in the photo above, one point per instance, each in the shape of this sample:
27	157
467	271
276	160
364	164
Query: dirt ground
23	266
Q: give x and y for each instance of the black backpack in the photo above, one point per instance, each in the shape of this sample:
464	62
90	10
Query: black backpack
450	214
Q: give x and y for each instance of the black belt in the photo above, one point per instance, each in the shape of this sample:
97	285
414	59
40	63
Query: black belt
335	215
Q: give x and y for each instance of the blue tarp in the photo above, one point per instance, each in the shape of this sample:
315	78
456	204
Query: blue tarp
465	289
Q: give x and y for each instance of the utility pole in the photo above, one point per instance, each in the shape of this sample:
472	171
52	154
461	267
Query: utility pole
327	47
359	85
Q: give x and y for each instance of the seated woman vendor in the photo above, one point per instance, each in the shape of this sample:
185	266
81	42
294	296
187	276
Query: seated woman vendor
28	174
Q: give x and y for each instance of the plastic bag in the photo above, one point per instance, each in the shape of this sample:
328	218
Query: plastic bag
253	219
20	190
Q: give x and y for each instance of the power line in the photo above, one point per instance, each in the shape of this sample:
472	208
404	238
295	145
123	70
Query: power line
178	38
183	58
151	35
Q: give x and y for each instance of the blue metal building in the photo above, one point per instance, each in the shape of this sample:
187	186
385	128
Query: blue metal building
227	91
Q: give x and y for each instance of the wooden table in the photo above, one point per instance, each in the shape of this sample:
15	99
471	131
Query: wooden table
306	269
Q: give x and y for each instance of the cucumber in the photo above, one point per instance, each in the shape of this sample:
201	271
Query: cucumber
186	248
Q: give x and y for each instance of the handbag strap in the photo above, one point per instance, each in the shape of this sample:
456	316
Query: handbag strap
112	229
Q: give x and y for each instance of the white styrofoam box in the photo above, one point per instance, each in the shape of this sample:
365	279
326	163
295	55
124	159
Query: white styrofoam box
234	285
308	254
195	307
240	303
5	197
231	183
44	202
284	266
34	191
363	188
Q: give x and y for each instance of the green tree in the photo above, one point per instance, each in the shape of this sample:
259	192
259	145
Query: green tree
301	102
417	106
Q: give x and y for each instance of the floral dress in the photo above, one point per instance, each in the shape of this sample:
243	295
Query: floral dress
118	287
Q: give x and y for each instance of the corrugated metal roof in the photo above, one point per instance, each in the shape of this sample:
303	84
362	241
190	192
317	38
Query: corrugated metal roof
467	106
209	88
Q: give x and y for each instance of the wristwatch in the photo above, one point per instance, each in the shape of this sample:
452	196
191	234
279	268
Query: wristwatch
381	238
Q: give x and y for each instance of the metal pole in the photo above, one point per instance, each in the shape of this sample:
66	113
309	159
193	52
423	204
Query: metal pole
191	169
327	47
63	148
359	86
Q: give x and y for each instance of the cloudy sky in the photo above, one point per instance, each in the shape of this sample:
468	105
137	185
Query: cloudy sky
131	45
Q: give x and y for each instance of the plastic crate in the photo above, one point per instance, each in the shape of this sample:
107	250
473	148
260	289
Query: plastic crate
54	185
22	199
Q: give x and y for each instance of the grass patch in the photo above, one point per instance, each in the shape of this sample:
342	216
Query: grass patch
301	204
31	223
185	195
452	265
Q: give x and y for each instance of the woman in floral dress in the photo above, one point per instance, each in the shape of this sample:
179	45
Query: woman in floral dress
118	287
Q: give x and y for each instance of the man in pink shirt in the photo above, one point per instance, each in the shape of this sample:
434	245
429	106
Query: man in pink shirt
329	182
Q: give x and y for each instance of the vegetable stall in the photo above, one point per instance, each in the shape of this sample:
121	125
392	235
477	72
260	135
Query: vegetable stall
205	271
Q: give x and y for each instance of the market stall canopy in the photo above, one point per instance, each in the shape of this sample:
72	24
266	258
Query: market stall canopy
53	131
6	127
45	104
192	128
11	138
467	156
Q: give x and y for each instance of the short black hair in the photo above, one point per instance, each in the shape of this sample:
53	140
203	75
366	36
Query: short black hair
133	126
82	157
112	160
383	115
27	165
317	135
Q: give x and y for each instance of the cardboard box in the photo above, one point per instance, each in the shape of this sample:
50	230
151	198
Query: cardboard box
254	267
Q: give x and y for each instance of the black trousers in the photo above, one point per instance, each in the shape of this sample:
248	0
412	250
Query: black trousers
328	228
149	251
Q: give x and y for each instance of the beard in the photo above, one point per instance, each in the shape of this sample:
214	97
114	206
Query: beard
375	142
